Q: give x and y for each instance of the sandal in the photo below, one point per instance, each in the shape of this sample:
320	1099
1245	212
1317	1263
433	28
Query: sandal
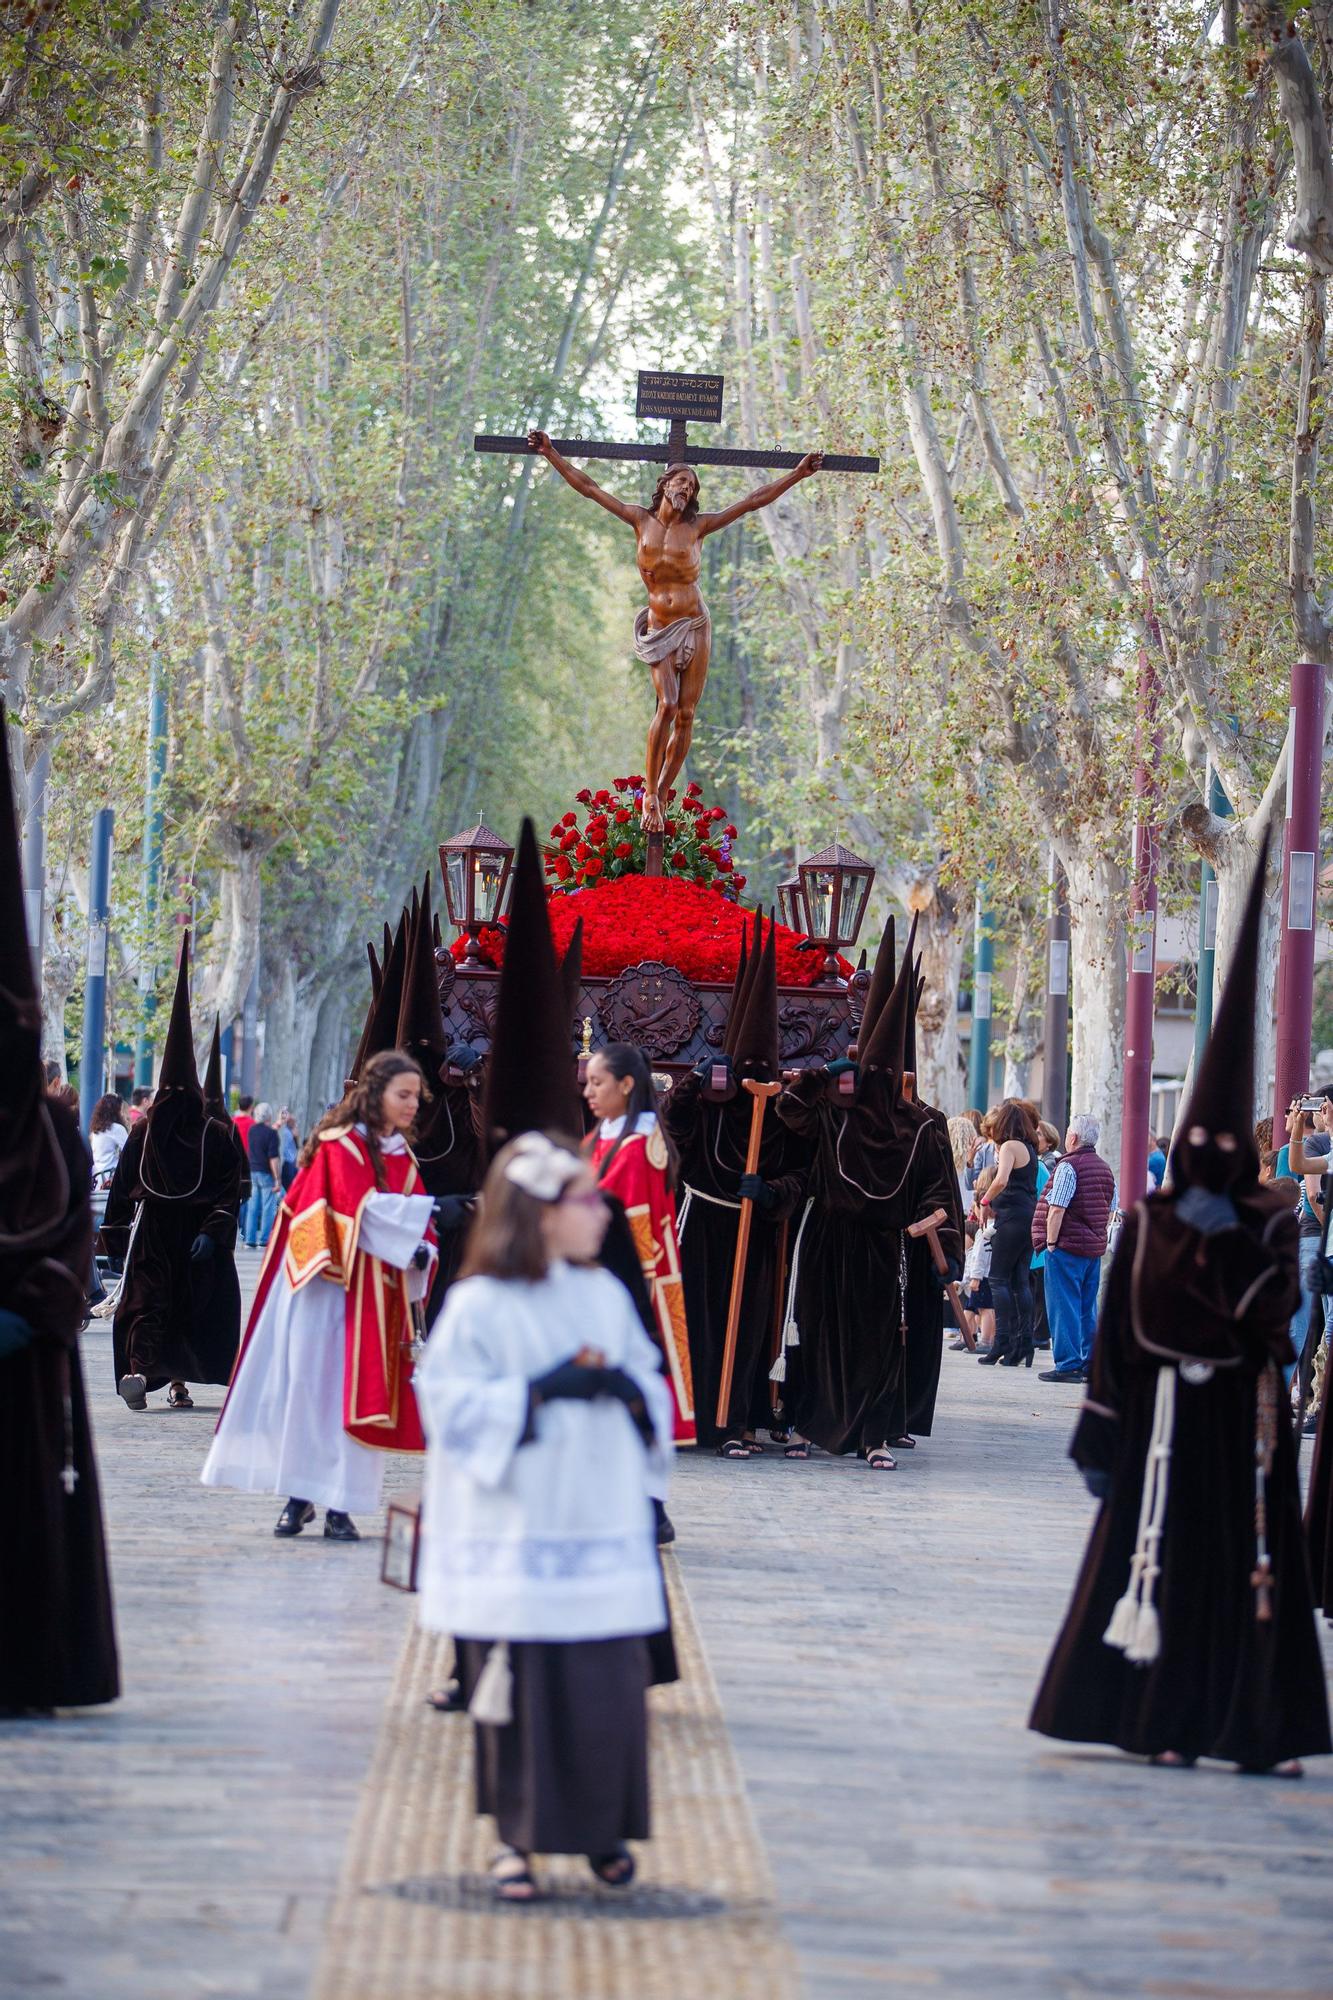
881	1459
733	1448
798	1448
616	1869
511	1877
179	1397
1291	1768
904	1443
447	1700
778	1434
1171	1760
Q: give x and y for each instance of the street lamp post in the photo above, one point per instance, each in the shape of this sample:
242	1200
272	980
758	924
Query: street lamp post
94	998
1300	871
1055	1033
983	974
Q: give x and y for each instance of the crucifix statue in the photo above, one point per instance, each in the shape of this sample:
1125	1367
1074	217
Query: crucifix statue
673	633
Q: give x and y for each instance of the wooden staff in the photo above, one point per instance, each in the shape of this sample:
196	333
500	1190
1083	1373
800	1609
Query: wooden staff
760	1092
929	1227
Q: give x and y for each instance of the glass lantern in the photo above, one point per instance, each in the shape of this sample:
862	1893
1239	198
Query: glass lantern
834	891
789	903
475	866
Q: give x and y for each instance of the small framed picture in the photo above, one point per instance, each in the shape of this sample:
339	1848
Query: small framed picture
402	1538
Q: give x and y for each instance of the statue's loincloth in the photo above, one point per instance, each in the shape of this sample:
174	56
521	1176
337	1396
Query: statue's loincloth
676	644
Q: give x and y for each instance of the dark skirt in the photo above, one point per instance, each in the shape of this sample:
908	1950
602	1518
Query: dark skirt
569	1774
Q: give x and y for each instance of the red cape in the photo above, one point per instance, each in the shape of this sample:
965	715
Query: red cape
317	1236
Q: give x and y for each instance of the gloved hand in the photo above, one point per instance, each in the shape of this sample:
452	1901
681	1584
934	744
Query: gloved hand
462	1058
201	1249
755	1188
842	1066
953	1270
704	1070
454	1211
1097	1482
421	1256
618	1383
568	1381
15	1332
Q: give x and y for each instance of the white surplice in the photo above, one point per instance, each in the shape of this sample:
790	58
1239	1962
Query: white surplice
282	1429
554	1538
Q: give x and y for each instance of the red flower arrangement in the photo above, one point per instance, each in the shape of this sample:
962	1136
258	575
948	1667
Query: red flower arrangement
612	843
637	917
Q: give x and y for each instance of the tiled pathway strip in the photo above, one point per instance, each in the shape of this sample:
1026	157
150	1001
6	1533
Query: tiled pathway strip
876	1641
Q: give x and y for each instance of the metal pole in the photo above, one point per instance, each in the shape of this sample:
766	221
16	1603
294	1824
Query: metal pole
1141	976
1300	869
1055	1034
34	864
152	868
94	998
1205	977
983	967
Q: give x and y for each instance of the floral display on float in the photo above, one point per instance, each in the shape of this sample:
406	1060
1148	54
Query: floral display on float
632	919
609	842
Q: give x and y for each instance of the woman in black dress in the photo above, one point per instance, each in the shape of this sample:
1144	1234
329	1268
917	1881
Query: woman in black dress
1011	1199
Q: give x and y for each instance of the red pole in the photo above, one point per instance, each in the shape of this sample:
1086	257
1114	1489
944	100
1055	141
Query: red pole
1300	870
1141	955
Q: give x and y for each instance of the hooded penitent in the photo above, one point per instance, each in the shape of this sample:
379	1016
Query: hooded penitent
59	1647
171	1212
215	1104
877	1167
883	976
531	1076
925	1305
446	1141
711	1138
381	1026
1191	1629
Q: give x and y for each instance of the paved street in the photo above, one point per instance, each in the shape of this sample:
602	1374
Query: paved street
875	1641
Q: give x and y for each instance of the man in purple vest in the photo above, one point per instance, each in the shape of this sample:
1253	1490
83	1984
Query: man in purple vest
1070	1225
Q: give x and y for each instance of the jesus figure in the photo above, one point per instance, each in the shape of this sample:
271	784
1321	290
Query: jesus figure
673	634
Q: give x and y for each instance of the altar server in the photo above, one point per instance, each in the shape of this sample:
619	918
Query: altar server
323	1386
57	1631
550	1429
1191	1632
172	1210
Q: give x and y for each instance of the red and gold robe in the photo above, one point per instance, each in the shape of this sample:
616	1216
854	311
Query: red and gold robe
637	1177
317	1236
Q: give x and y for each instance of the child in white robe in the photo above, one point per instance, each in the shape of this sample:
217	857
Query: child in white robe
549	1427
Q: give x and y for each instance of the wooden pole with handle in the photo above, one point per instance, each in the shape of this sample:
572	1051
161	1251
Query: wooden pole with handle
760	1092
929	1227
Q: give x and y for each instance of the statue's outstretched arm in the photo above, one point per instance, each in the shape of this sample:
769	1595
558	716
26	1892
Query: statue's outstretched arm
623	511
763	496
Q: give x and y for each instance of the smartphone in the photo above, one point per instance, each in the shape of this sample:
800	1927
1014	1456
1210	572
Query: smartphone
1313	1103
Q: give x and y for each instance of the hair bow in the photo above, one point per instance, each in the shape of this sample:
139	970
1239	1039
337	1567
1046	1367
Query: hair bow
540	1168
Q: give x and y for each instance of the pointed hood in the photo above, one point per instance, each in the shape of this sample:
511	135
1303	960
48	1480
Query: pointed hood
885	1046
420	1025
882	978
571	971
755	1044
531	1077
1222	1100
752	939
436	934
178	1070
376	975
382	1019
215	1098
918	988
34	1181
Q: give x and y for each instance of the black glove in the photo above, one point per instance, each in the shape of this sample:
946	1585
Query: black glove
953	1270
843	1066
618	1383
756	1189
201	1249
704	1070
453	1211
1097	1482
462	1058
568	1381
421	1256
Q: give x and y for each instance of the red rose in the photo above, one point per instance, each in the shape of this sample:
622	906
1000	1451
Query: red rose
562	868
680	859
557	830
593	867
671	795
623	850
621	784
569	839
730	831
582	851
724	862
600	798
717	813
693	790
570	819
584	798
623	818
636	784
738	882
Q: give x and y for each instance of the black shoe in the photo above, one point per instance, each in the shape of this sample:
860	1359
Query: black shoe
133	1389
297	1514
339	1527
1062	1375
1019	1357
666	1533
994	1354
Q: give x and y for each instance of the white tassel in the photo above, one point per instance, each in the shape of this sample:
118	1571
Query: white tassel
778	1372
1124	1619
1146	1644
493	1697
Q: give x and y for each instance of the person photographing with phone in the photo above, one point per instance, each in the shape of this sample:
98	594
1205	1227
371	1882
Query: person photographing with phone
1306	1157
